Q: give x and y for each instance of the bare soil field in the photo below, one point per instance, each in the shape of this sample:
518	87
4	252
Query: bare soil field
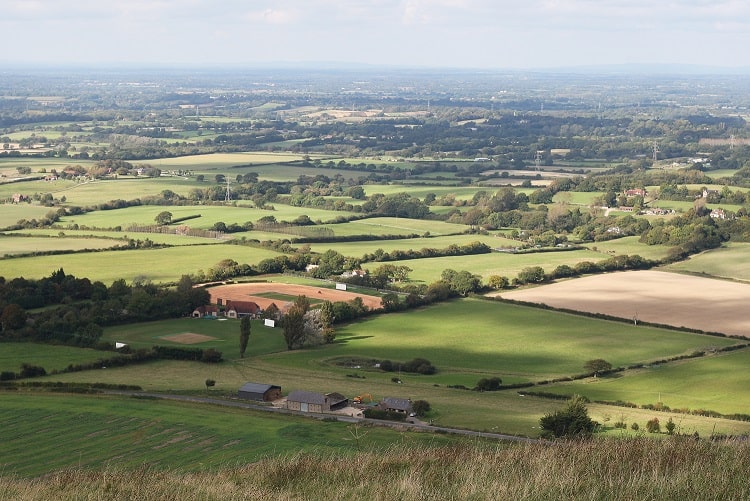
188	338
245	292
651	296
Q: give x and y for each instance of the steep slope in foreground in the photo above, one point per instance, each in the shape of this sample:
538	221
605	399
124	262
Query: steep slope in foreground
673	468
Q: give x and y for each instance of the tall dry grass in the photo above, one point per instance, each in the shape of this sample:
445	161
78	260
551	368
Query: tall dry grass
642	469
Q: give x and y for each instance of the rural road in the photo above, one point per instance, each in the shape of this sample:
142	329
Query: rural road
344	419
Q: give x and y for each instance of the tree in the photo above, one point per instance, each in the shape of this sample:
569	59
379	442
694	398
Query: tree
653	426
572	421
293	323
164	217
13	317
210	383
670	426
420	407
244	334
597	366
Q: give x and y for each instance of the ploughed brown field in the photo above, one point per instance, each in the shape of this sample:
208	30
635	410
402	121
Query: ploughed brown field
245	292
651	296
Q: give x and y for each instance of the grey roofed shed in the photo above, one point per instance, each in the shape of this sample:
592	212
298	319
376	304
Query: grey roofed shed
396	404
259	391
308	397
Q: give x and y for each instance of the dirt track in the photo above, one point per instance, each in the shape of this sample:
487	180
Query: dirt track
652	296
244	292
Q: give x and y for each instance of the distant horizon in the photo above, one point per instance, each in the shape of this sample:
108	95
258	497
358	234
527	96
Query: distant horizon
491	35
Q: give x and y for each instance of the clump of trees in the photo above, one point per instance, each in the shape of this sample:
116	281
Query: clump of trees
570	422
415	366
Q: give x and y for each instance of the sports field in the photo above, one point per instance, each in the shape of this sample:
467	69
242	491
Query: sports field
253	291
651	296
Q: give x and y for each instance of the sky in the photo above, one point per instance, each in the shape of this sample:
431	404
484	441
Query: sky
471	34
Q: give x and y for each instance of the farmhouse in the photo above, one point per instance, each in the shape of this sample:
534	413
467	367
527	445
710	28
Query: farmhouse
237	309
637	192
208	311
393	404
308	401
718	214
260	392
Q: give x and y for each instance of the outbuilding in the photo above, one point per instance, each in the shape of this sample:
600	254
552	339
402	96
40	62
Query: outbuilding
393	404
260	392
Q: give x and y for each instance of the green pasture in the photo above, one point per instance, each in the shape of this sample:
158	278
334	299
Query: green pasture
630	246
10	214
10	245
466	340
224	161
577	197
395	226
209	215
43	432
225	334
486	337
29	188
497	263
37	163
356	249
419	191
122	188
731	260
52	358
716	383
159	238
680	206
155	265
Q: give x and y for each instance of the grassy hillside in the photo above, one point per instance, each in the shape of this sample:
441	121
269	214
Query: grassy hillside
613	470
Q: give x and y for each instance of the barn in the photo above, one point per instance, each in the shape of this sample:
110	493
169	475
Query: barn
308	401
393	404
260	392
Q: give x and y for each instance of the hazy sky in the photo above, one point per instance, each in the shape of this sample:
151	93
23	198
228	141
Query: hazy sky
496	34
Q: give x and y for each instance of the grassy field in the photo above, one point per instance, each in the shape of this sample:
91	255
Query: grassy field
355	249
11	213
512	342
159	238
19	245
496	263
209	215
576	197
155	265
630	246
702	383
732	260
395	226
133	433
48	356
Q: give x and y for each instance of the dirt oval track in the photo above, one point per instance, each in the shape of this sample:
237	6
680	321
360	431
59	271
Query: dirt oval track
652	296
247	292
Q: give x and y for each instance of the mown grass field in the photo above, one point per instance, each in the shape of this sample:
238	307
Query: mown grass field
395	226
715	383
133	433
52	358
10	214
513	342
209	215
20	245
732	260
356	249
118	236
497	263
630	246
155	265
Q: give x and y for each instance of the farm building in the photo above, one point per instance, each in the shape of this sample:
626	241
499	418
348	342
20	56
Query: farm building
393	404
208	311
259	391
237	309
308	401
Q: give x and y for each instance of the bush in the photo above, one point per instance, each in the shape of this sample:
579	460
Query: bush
488	384
653	426
572	421
634	427
420	407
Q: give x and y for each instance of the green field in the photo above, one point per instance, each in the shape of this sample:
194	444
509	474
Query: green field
155	265
209	215
712	383
135	433
395	226
732	260
497	263
630	246
12	355
20	245
10	214
356	249
513	342
159	238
